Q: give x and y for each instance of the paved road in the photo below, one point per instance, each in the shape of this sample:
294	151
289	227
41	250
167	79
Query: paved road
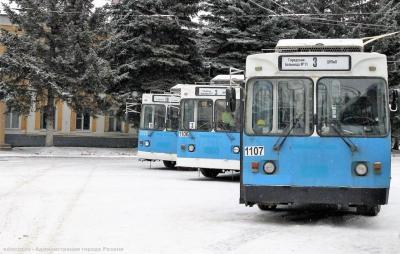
122	206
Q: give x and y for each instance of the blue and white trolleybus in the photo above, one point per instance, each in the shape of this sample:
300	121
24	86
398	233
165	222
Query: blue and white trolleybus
159	122
316	126
209	136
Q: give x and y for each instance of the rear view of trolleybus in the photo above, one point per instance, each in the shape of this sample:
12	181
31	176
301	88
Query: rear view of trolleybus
159	122
316	126
209	136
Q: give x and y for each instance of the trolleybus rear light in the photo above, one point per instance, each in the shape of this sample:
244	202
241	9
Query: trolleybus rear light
361	169
377	167
269	167
254	167
191	148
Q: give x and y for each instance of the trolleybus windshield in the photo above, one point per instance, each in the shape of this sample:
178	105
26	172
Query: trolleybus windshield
226	120
354	106
275	106
153	117
173	118
197	114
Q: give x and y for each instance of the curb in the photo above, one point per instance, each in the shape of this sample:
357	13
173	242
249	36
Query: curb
69	157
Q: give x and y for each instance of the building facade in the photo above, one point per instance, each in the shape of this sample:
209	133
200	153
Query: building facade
70	128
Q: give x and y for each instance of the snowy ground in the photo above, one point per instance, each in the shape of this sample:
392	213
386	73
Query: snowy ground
121	203
70	152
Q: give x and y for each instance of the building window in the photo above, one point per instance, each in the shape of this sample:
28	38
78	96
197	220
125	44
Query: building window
43	123
12	120
83	122
114	123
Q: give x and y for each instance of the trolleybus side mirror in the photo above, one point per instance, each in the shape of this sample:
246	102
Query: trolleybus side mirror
393	103
231	99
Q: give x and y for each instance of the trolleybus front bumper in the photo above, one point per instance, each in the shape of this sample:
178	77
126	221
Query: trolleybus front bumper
251	195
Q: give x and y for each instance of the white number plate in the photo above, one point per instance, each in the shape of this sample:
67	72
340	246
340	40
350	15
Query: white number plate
254	151
183	134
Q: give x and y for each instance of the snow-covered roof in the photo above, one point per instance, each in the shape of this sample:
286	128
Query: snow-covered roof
177	88
320	42
352	45
226	78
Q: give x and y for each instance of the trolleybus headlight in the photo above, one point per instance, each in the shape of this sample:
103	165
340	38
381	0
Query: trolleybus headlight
236	149
191	148
361	169
269	167
147	143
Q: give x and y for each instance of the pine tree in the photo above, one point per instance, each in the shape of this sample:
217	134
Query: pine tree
53	57
236	28
152	45
386	18
233	29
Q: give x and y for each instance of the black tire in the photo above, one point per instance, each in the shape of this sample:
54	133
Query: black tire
369	210
267	207
211	173
170	164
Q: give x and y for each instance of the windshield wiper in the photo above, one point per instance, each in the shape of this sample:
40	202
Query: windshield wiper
278	145
348	142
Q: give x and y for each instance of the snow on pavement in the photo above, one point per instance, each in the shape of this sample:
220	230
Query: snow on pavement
70	152
119	203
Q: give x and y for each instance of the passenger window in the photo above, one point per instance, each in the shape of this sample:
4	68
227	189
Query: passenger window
204	115
197	114
226	120
262	107
153	117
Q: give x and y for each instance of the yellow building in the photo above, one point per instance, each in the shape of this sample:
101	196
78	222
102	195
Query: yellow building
71	129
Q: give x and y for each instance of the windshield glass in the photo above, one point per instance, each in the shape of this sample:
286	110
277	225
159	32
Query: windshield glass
275	106
197	114
153	117
355	106
226	120
173	118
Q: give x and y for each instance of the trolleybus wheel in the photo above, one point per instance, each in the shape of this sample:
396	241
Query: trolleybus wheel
169	164
369	210
266	207
207	172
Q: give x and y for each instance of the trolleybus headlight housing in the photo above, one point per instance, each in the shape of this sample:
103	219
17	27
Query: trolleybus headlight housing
361	169
236	149
269	167
147	143
191	148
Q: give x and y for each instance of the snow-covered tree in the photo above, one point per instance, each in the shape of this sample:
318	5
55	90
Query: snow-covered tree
229	33
53	57
152	44
233	29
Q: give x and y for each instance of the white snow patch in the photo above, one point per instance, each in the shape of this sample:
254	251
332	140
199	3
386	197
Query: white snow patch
70	152
96	203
